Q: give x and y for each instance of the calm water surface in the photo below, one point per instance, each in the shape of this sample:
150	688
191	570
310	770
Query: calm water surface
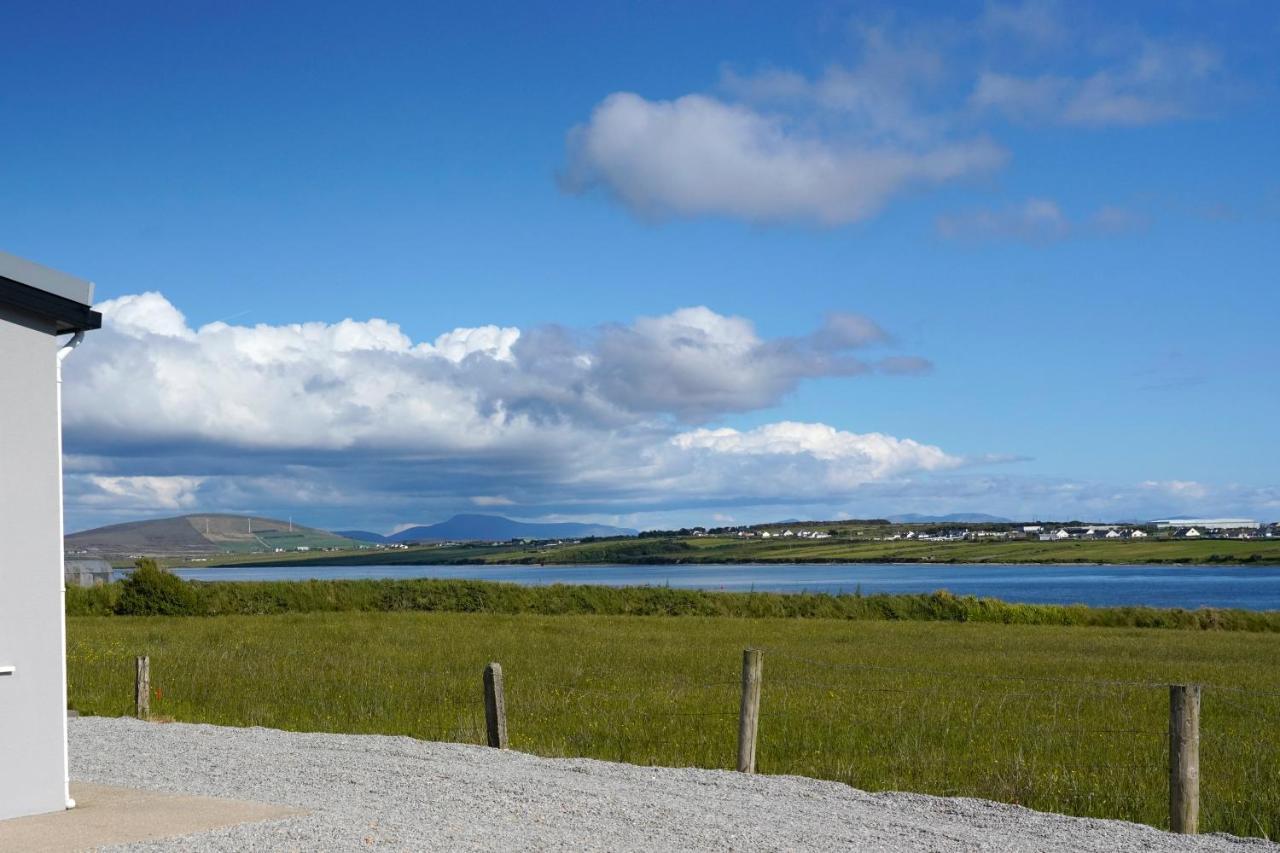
1254	588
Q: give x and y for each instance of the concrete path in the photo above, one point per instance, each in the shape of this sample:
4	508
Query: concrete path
106	815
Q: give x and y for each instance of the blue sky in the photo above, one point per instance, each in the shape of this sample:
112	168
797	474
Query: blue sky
1057	224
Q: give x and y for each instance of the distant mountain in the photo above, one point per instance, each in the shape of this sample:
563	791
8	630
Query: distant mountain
495	528
953	518
212	533
362	535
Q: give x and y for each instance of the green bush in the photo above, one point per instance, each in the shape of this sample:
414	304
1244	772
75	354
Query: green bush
152	591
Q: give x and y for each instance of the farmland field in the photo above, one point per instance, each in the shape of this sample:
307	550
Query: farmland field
1069	719
713	549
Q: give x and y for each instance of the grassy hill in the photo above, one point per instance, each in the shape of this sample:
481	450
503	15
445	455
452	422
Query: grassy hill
496	528
204	534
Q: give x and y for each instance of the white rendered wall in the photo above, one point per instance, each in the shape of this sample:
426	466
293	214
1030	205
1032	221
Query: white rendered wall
33	699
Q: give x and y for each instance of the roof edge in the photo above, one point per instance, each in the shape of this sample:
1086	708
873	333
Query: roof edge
67	315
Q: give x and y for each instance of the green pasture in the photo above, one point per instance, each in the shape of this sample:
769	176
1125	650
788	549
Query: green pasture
835	550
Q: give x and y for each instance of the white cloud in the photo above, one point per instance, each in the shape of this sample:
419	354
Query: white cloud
492	500
697	155
355	424
492	341
1036	220
146	314
875	99
170	493
1163	82
1035	22
356	413
856	457
367	384
1177	489
836	145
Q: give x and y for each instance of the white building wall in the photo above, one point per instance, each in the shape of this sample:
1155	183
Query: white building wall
32	699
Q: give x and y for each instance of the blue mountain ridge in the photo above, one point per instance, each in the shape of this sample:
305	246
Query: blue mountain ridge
496	528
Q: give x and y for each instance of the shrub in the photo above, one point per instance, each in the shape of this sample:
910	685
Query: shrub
152	591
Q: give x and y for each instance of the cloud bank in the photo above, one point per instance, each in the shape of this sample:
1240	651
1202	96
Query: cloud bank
161	416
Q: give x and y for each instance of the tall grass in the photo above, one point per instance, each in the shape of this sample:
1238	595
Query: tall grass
426	595
1058	718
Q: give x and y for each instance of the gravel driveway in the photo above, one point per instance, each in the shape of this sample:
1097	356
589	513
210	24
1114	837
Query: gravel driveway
403	794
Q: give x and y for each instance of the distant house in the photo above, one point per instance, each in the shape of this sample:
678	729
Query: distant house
1061	533
788	533
1192	533
1113	534
764	534
1138	534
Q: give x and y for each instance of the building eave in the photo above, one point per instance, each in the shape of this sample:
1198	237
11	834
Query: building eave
67	315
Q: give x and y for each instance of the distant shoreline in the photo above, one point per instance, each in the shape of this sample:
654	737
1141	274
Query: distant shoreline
309	563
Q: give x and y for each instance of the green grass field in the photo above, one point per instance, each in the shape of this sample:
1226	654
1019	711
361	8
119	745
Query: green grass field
1069	719
835	550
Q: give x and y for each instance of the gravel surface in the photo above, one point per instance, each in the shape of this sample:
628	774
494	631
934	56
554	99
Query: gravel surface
402	794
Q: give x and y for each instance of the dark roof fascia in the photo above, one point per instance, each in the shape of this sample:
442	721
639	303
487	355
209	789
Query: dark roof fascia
67	314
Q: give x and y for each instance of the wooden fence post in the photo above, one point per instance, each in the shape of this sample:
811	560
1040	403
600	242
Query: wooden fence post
495	706
1184	758
749	714
142	688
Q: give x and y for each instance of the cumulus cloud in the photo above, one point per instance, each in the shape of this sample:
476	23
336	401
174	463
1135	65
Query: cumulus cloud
146	493
350	384
845	458
165	415
697	155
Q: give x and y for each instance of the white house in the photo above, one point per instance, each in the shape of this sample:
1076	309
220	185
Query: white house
1138	534
1061	533
37	305
1192	534
1113	534
1209	523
